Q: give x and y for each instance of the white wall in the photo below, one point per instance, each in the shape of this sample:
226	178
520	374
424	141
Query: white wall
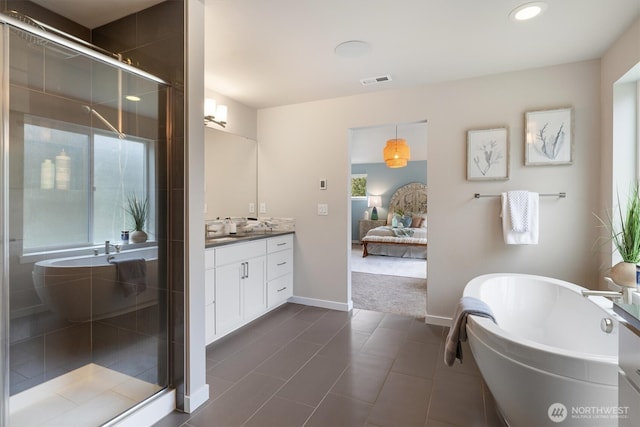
298	144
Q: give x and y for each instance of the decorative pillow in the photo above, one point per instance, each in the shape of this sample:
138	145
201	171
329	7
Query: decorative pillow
407	220
416	221
423	217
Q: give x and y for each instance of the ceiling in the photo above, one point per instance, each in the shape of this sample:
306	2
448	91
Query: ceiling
277	52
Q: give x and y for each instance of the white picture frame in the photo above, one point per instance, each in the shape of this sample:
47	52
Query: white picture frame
549	137
488	154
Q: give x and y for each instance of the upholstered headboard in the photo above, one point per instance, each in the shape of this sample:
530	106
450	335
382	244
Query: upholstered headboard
411	198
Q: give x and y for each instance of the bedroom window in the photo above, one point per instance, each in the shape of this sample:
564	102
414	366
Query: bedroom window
358	186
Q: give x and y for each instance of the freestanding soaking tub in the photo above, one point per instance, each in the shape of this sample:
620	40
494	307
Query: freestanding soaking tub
546	360
86	288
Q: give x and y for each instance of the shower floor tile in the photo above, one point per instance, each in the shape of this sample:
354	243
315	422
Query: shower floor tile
87	396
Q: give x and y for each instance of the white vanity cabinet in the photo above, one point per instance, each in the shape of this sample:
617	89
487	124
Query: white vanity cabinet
279	270
239	283
629	375
244	280
209	293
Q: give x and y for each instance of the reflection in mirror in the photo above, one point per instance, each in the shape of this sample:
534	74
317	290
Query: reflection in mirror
230	164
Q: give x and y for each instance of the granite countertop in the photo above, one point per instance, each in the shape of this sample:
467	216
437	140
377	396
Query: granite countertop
629	312
214	242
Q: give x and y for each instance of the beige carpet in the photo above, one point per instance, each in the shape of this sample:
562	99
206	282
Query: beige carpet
389	294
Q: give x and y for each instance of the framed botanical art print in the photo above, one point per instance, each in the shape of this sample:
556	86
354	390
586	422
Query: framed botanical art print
549	137
488	154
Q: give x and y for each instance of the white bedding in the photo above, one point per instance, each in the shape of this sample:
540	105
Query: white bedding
398	234
414	246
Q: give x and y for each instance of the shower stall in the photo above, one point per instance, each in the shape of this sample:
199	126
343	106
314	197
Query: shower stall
84	311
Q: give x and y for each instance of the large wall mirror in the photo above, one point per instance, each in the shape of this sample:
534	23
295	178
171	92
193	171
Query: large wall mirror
231	171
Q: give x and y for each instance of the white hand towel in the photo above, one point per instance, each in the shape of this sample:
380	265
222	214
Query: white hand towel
529	237
519	210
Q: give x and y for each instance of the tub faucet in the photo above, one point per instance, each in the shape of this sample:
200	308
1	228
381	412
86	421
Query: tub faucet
107	247
625	295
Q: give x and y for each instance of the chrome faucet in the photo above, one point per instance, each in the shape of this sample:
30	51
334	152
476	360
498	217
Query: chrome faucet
625	295
107	247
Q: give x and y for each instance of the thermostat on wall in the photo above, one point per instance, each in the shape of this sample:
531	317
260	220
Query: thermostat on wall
323	183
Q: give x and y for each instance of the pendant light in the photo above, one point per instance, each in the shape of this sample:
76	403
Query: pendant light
397	152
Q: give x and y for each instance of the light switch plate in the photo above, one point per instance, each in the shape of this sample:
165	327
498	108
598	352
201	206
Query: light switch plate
323	209
252	208
263	207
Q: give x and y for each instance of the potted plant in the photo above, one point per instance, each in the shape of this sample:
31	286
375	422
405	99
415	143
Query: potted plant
625	235
138	209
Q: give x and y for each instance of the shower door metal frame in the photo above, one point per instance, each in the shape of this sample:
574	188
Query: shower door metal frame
4	224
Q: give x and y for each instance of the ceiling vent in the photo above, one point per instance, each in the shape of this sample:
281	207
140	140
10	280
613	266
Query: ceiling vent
375	80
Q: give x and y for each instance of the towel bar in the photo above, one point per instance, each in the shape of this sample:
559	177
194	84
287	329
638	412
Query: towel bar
560	195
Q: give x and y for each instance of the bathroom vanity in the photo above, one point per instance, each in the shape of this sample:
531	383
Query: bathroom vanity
245	277
629	363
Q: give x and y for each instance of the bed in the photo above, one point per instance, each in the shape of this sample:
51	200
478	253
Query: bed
402	241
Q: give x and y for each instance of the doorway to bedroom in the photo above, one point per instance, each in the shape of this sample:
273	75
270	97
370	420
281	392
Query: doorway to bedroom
392	277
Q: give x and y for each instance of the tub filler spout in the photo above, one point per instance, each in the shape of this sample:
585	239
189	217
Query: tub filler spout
624	295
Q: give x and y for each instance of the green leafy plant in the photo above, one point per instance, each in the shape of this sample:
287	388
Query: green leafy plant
626	234
138	209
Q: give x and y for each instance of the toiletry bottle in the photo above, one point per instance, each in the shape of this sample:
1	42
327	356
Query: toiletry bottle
47	175
63	171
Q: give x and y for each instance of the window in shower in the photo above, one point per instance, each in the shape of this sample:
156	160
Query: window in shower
76	182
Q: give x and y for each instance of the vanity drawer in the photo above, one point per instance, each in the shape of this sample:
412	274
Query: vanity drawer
239	251
280	243
279	290
279	264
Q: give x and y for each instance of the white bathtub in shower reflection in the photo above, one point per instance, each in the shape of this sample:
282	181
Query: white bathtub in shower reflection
86	288
547	348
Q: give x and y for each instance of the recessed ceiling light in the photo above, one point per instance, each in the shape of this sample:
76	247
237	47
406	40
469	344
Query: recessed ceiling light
528	11
133	98
352	49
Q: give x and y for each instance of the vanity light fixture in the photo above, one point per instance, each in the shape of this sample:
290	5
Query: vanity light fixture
396	153
528	11
214	113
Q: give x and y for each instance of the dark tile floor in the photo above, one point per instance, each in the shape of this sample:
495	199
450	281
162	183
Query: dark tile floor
309	366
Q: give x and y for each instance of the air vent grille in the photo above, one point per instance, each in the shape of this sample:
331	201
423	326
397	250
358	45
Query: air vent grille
375	80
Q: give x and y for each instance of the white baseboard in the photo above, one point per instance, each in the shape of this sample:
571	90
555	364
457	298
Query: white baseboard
195	400
313	302
438	320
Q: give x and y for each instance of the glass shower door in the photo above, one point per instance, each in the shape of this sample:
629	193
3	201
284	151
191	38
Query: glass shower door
84	309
